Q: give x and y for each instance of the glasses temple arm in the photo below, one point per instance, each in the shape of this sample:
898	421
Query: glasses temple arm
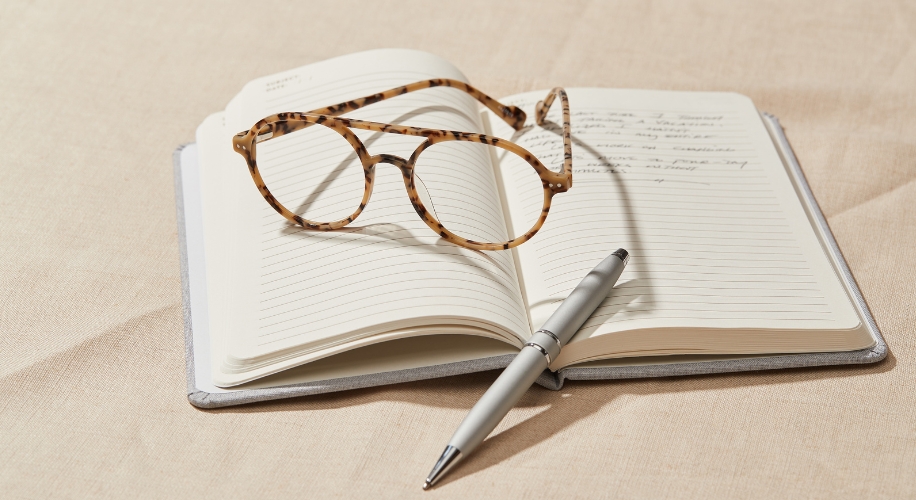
540	112
512	115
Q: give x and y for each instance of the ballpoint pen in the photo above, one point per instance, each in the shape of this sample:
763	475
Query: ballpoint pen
530	362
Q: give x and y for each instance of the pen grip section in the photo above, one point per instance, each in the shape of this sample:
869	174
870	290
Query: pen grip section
499	399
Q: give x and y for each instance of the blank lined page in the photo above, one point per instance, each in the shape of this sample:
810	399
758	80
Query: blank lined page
691	186
298	290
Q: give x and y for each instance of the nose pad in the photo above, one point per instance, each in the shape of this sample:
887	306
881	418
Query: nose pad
424	196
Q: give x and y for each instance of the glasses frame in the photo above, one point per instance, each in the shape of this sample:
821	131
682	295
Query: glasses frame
273	126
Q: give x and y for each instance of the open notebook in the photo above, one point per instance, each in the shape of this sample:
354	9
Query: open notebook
732	265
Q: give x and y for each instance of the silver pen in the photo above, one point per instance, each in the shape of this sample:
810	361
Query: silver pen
530	362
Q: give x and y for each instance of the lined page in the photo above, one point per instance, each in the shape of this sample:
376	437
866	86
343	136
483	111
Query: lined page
298	290
690	185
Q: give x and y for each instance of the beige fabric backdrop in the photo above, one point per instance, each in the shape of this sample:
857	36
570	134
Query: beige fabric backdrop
94	98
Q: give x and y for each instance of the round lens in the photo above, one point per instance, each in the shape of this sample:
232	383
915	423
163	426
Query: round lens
313	172
458	179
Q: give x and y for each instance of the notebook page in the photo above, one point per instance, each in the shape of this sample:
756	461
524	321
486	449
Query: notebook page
299	290
213	193
691	186
216	187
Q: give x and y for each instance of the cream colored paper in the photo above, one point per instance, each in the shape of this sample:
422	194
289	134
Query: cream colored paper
724	259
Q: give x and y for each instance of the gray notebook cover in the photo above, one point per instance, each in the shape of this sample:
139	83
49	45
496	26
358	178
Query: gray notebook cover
202	393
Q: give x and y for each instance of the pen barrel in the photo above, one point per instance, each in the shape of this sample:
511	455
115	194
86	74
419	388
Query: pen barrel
586	297
499	399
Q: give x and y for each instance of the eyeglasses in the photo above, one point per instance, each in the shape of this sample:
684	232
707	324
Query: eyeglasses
333	186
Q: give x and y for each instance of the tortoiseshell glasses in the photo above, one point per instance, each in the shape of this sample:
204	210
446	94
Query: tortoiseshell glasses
333	190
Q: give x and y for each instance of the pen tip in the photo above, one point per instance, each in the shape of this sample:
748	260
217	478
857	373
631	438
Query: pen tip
449	457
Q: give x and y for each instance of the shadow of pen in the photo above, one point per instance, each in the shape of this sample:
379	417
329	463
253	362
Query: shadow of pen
560	413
